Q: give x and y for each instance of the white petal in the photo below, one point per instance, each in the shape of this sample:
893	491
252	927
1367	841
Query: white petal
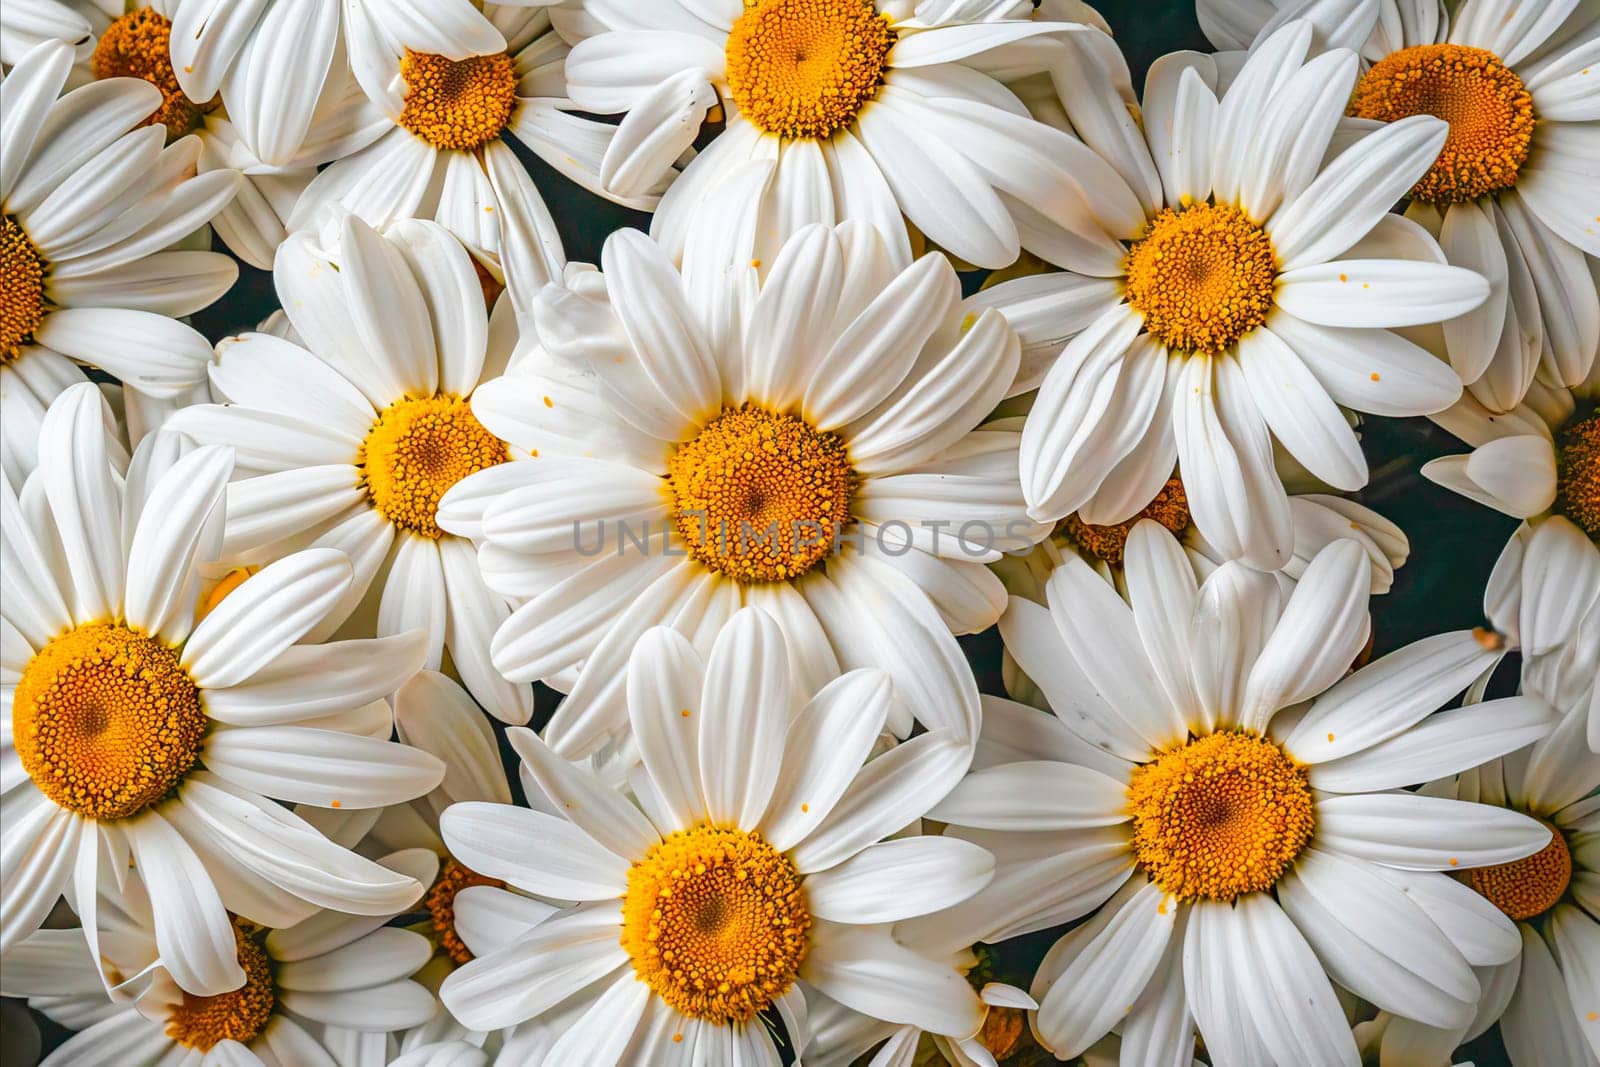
1376	942
896	880
1379	292
826	745
533	851
270	611
744	714
321	767
864	969
1114	954
558	958
1425	833
191	925
1034	795
1441	745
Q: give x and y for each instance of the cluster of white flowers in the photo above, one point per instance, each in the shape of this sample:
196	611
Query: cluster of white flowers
276	609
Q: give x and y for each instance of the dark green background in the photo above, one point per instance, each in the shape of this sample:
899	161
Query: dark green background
1453	542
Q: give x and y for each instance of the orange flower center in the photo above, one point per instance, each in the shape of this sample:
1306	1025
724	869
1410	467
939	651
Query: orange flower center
1489	110
1170	508
441	905
1202	277
416	451
1531	886
805	68
758	496
203	1022
457	105
22	272
1219	816
716	923
1578	474
139	45
106	721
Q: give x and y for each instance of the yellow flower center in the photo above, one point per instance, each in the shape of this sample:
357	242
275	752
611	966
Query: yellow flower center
716	923
1489	110
441	905
1578	474
416	451
241	1015
805	68
759	496
457	105
139	45
1170	508
1202	277
1219	816
21	289
1530	886
106	721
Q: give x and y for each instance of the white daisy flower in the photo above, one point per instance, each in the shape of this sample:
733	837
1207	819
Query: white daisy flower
1542	456
1547	997
274	62
744	430
92	203
134	731
349	439
1228	806
1511	194
441	152
748	868
884	111
312	992
1238	291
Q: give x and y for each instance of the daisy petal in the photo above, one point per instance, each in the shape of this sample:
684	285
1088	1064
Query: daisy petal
896	880
533	851
1379	292
1424	833
270	611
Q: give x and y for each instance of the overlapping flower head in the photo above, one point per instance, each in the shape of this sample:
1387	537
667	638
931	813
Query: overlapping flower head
1237	291
876	112
92	201
812	445
351	441
1510	193
1223	802
747	867
151	728
311	991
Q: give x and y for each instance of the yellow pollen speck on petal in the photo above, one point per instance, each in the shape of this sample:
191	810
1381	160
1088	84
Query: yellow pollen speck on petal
417	450
715	922
760	496
1201	277
1488	638
1170	508
106	721
1531	886
139	45
1220	815
240	1015
1489	110
441	905
22	303
805	68
1578	475
457	105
